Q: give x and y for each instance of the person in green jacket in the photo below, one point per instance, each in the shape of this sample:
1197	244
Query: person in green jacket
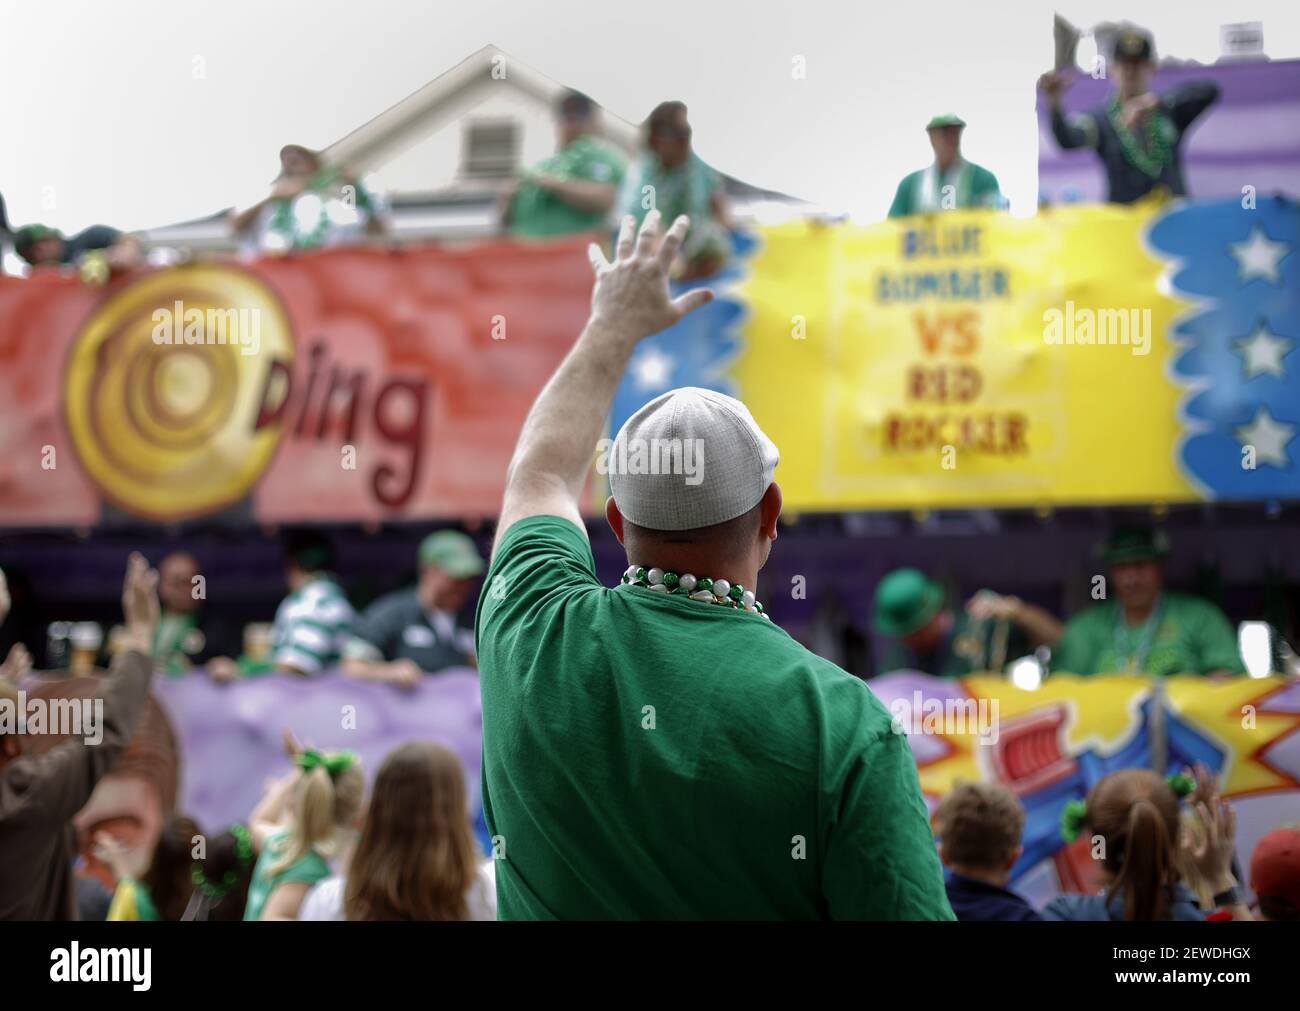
950	181
573	190
1140	627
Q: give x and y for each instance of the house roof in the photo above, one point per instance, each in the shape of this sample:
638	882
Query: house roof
433	105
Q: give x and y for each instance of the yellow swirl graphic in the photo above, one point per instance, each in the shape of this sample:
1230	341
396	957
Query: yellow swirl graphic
164	385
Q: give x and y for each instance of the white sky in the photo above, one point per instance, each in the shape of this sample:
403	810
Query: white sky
103	120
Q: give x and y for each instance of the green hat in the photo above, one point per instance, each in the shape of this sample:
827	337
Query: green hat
1134	44
1134	544
945	119
29	235
453	552
905	601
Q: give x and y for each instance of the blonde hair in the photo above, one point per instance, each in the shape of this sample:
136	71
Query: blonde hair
324	807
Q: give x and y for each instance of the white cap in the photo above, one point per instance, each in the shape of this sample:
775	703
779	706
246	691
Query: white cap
690	458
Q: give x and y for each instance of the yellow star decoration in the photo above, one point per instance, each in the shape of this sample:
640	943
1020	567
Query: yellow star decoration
1100	713
1223	712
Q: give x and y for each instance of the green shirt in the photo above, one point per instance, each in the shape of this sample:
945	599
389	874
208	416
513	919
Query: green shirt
312	625
175	639
973	186
309	868
687	189
1185	635
652	757
537	213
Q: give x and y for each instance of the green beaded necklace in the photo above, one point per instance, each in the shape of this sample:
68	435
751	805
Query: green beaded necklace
712	591
1156	154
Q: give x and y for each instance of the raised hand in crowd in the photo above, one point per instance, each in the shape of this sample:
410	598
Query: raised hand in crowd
140	607
1054	83
1210	852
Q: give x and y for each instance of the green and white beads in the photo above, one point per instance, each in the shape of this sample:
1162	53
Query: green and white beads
705	590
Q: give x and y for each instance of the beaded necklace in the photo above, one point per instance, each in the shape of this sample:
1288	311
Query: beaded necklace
1152	157
713	591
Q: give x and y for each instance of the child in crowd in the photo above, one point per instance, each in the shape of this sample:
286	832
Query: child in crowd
220	880
416	858
301	824
162	892
1133	819
1275	874
979	827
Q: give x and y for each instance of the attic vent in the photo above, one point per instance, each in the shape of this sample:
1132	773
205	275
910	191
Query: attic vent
490	149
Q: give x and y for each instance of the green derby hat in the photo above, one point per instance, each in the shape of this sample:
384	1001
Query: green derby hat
1134	544
905	601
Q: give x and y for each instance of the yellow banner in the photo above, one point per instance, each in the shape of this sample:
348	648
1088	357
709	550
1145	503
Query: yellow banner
967	358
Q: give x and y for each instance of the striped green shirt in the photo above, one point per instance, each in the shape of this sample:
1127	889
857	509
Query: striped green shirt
311	625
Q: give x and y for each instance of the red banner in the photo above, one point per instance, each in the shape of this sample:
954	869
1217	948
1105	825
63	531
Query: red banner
349	384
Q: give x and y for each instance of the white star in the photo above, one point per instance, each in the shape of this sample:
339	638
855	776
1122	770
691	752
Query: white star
1259	256
1269	437
652	369
1263	352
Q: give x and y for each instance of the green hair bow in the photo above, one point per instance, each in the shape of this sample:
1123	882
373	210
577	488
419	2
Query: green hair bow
216	890
310	759
1075	813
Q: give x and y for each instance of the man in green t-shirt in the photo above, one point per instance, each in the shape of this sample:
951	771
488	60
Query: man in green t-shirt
1145	628
660	749
573	190
927	635
950	181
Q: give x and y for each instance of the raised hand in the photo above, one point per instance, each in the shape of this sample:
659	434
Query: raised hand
1053	83
631	294
140	602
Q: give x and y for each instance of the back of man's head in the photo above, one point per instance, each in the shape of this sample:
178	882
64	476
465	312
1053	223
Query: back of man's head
979	826
691	470
308	551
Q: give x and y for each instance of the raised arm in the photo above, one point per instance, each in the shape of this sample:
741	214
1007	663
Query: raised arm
65	777
1079	132
584	194
1187	102
558	441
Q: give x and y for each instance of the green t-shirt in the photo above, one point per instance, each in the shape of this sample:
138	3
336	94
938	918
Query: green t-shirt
309	868
973	186
648	756
1185	635
536	213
